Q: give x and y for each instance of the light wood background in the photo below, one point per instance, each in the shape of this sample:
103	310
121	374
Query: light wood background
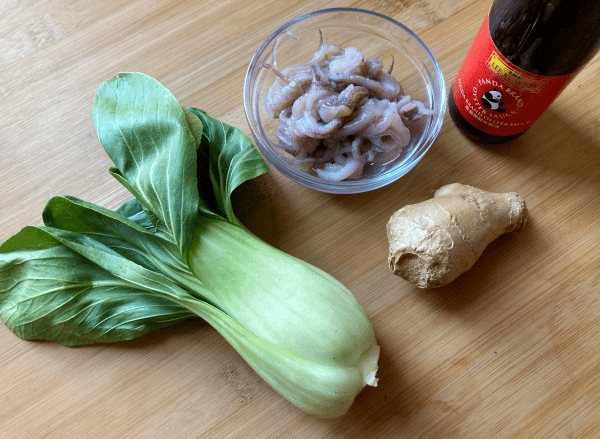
509	350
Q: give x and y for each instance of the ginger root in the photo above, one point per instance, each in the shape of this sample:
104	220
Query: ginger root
435	241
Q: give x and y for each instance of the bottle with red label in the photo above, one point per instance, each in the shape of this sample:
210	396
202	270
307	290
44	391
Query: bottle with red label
524	55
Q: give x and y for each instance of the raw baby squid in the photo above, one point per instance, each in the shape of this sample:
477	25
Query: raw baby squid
339	112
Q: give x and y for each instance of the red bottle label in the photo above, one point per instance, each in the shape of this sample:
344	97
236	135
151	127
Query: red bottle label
497	97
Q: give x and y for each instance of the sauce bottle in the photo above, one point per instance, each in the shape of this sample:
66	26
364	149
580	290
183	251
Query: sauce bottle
524	55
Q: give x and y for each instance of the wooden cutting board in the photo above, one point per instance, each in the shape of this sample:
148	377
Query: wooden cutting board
508	350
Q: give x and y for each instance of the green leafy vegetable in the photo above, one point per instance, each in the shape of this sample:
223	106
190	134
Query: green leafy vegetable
52	292
176	250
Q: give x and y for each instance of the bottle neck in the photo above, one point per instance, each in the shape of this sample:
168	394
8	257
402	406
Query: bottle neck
546	37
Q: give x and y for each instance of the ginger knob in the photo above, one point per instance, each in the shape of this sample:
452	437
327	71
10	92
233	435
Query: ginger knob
435	241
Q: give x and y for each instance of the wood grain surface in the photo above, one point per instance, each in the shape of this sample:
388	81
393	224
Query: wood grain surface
508	350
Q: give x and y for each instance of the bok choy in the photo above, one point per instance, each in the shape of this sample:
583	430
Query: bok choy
176	250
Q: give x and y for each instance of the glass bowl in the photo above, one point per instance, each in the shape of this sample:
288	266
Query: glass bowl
376	36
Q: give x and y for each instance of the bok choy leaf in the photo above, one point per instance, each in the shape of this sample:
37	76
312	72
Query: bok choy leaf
146	134
51	292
